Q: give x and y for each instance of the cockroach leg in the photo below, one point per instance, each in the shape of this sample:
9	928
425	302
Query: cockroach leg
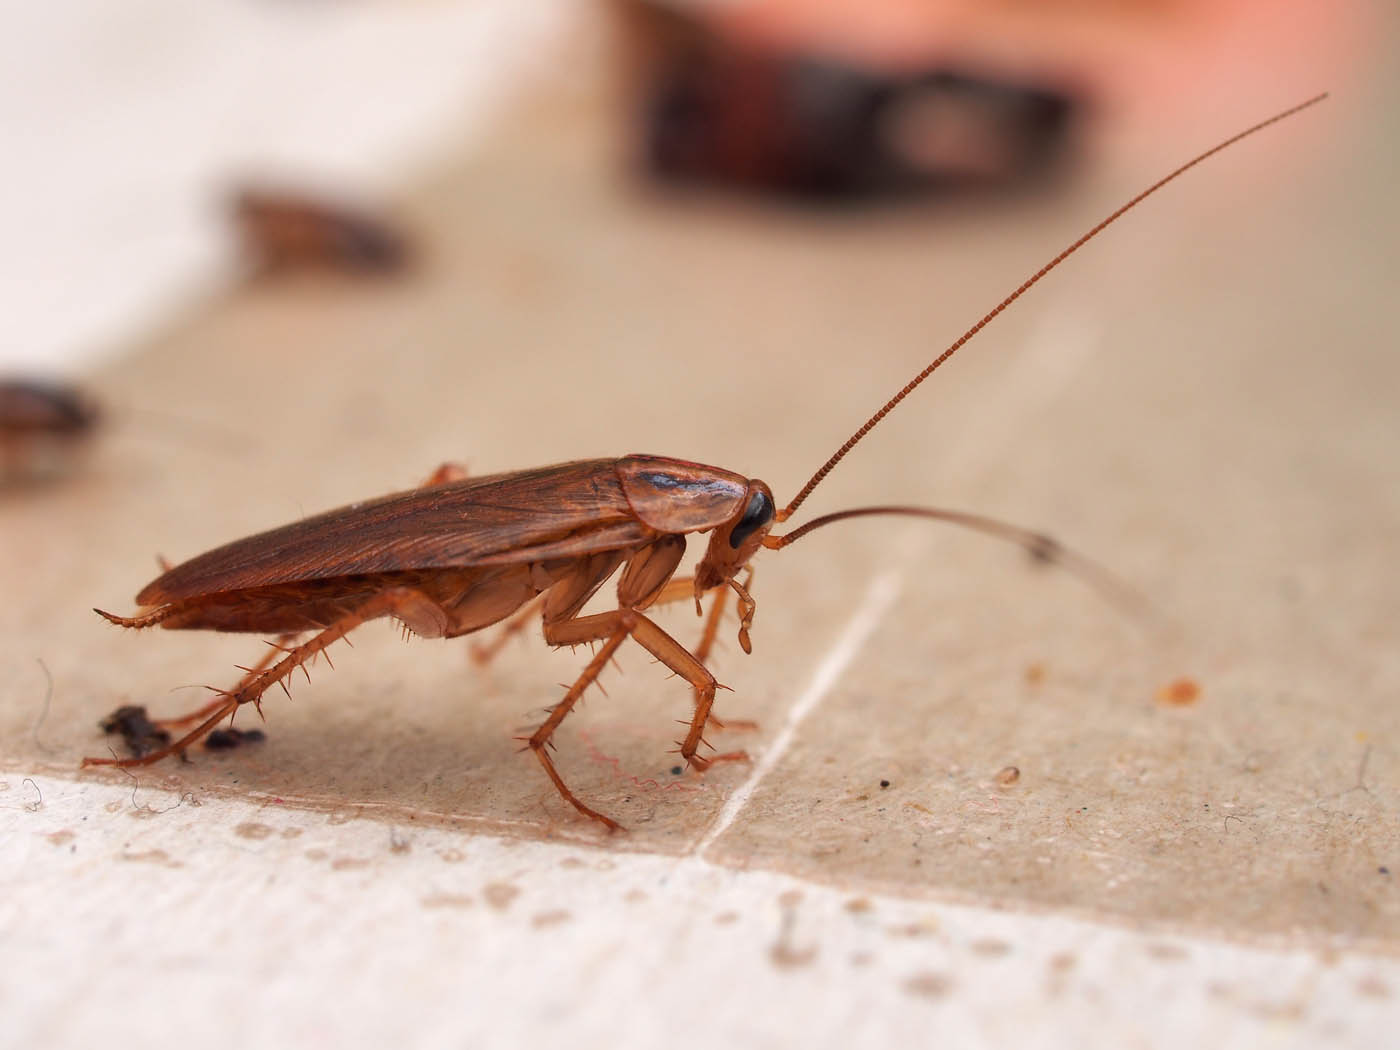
539	739
746	610
662	646
249	673
401	602
682	588
484	652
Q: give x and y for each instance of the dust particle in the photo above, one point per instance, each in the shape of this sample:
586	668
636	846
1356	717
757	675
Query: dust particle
446	900
1062	962
546	919
1008	775
499	895
153	856
990	948
60	838
349	864
1165	952
786	957
252	831
1373	987
1181	692
726	918
928	985
859	905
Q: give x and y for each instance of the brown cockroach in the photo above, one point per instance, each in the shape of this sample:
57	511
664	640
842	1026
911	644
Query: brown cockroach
460	554
283	230
42	423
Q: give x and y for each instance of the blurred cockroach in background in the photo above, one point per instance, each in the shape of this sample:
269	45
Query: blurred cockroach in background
44	426
284	230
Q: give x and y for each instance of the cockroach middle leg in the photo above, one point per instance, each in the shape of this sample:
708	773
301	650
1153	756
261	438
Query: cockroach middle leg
666	649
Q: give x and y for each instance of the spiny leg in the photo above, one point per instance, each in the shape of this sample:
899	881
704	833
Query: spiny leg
681	588
398	601
221	700
539	740
666	649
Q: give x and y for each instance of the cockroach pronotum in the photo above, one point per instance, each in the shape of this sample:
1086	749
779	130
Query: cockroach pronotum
459	554
42	422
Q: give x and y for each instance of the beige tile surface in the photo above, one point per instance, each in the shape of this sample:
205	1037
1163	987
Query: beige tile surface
1204	402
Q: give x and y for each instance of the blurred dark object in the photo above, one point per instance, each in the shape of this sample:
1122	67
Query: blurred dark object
715	110
42	425
284	231
228	739
136	728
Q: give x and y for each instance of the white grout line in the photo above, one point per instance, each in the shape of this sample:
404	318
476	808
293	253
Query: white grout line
858	629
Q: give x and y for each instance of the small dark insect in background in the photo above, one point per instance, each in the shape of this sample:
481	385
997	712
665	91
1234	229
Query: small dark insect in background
44	424
284	230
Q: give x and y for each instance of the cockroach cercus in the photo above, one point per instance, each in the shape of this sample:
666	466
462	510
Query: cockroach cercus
460	554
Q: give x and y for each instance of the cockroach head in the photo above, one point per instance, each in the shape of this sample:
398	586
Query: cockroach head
733	543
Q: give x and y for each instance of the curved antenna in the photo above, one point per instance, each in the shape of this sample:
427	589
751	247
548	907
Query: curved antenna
1043	548
870	423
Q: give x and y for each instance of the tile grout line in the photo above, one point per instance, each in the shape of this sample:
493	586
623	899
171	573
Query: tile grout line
878	599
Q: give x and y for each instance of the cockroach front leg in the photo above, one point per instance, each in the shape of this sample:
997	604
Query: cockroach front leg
400	602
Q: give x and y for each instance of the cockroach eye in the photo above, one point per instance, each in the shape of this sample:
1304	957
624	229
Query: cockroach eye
757	514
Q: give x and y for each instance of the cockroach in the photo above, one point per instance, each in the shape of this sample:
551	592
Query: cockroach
459	554
282	230
42	423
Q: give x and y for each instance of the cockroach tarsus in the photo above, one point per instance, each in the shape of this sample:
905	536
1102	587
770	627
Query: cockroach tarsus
460	554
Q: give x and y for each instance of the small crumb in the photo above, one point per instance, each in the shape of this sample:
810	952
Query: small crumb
446	900
228	739
928	985
884	783
1008	775
990	948
1179	693
499	895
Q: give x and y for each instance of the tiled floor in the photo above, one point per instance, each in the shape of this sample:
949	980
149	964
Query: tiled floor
1204	401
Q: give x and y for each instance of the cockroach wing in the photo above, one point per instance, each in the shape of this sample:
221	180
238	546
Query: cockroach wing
559	511
675	495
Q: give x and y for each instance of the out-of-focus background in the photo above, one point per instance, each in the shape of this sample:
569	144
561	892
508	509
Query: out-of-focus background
271	257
